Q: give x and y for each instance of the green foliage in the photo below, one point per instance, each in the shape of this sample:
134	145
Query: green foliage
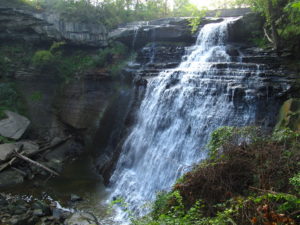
113	58
115	12
43	59
251	179
261	42
70	66
169	209
120	202
295	181
282	21
9	99
36	96
286	135
230	135
218	138
66	65
4	140
104	58
55	47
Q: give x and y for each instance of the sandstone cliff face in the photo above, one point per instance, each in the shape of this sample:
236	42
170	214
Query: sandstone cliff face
33	27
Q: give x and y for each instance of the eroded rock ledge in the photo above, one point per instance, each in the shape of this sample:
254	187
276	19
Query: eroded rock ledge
32	26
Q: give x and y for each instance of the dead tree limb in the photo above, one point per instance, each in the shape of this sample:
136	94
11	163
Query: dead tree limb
267	36
262	190
35	163
7	164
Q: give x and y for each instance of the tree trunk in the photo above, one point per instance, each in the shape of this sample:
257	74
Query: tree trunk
274	33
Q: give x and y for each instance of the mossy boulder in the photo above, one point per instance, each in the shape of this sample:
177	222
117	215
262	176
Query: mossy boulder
289	115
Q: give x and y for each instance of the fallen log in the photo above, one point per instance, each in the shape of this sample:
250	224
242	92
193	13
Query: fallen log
43	149
263	190
36	163
7	164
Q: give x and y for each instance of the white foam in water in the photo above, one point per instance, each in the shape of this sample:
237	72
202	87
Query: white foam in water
180	110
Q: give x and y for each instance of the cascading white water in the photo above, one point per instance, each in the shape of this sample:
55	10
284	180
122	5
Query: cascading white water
181	108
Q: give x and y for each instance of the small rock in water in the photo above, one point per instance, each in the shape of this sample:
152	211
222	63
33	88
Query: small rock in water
75	198
38	212
40	205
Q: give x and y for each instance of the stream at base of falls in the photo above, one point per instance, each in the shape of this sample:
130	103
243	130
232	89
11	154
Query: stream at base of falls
77	178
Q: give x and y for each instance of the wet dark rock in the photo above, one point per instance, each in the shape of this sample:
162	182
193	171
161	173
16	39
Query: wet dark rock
10	177
30	212
3	201
139	81
162	55
230	50
75	198
81	218
138	34
38	212
40	205
245	28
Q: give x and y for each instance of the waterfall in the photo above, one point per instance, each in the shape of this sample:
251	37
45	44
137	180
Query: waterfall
180	109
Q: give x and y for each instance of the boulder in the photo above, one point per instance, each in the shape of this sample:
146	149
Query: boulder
29	147
14	126
75	198
81	218
6	151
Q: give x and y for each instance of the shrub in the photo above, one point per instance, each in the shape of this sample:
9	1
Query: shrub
113	54
251	179
104	58
43	59
295	181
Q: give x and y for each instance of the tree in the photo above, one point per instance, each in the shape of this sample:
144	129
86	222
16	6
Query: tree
282	17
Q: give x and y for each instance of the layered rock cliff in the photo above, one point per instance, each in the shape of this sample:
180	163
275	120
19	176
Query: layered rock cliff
34	27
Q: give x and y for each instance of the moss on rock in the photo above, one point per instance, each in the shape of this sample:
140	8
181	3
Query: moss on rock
289	115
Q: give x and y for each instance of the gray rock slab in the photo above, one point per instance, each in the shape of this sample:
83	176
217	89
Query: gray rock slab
14	126
6	150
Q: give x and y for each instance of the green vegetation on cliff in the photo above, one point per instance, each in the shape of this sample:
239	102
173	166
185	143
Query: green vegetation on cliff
249	178
67	65
115	12
282	21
